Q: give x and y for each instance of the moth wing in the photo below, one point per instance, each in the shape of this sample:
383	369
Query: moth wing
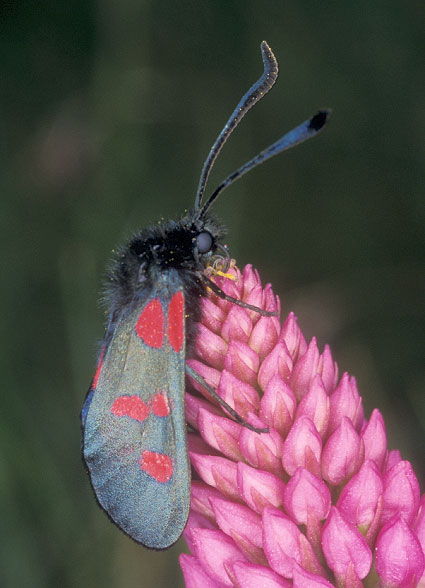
134	441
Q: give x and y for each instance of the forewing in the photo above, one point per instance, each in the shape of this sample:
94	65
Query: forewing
135	432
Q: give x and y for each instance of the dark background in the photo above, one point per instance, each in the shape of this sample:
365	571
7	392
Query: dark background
108	110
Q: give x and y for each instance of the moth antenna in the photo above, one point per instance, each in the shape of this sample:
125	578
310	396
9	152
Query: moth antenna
254	94
309	128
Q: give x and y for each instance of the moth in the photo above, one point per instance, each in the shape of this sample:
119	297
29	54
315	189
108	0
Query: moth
133	417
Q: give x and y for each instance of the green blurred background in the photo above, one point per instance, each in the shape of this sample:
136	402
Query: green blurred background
108	110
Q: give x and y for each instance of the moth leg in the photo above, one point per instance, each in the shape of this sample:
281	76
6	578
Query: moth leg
219	292
224	404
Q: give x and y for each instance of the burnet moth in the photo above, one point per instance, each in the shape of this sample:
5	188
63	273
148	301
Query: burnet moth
133	418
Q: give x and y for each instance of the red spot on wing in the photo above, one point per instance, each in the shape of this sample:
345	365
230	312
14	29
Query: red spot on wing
160	405
157	465
131	406
150	324
98	369
175	321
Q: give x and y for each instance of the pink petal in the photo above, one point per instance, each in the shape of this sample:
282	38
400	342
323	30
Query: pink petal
200	494
393	457
192	406
305	369
194	574
210	347
292	336
242	525
258	488
279	362
342	454
346	402
262	450
220	433
219	472
242	361
256	298
210	375
302	447
328	370
399	560
196	521
239	395
361	497
343	546
251	280
375	438
264	335
315	404
237	325
277	406
255	576
284	544
212	315
401	493
217	553
419	524
305	494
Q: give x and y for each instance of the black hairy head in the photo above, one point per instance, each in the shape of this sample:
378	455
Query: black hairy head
186	245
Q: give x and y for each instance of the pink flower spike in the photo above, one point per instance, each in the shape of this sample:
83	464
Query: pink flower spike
305	369
221	433
361	499
277	406
346	402
259	489
194	574
315	404
343	545
242	361
262	450
255	576
239	395
401	493
216	552
278	362
303	579
399	559
210	347
218	472
302	447
292	336
242	525
342	454
284	544
264	335
237	325
306	495
375	438
316	502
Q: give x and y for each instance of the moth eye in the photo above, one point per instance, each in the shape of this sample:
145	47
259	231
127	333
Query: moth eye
204	242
